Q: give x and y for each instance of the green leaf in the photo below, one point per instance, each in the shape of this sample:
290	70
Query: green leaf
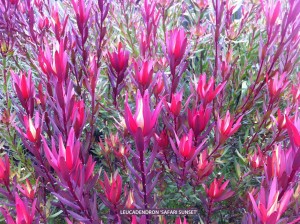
240	156
25	177
56	214
237	168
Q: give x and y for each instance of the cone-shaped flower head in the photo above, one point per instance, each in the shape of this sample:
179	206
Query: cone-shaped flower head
144	118
206	90
4	170
144	73
186	146
24	215
119	59
175	105
112	187
226	127
217	191
33	130
67	158
176	46
269	207
198	119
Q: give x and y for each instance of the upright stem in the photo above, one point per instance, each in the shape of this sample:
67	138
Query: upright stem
218	146
92	126
5	79
142	164
216	39
210	203
183	171
253	87
273	141
166	158
50	180
6	94
143	178
259	127
78	202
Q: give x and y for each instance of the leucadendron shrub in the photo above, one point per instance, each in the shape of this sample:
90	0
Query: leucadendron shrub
112	109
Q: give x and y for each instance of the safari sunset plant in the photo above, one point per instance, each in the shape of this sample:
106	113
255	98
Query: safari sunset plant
112	107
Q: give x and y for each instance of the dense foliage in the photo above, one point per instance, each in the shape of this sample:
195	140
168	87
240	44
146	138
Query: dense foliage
152	104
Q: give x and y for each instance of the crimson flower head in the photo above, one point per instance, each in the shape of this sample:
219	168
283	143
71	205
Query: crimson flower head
24	87
129	204
144	118
56	65
4	170
295	92
186	146
178	221
206	90
113	140
280	121
226	127
112	187
293	130
217	191
202	4
162	139
33	130
198	119
67	158
121	152
257	159
24	214
78	116
27	189
43	23
119	59
144	73
282	164
60	61
159	85
82	12
268	206
176	46
276	85
175	105
204	166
